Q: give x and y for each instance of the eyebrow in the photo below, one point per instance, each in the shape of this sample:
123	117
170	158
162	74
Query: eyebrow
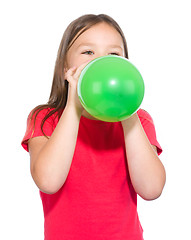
93	45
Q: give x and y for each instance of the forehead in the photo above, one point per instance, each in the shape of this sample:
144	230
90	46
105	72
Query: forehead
101	33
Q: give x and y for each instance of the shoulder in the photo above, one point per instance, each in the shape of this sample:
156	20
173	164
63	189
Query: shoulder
144	115
40	112
149	128
40	122
42	118
43	113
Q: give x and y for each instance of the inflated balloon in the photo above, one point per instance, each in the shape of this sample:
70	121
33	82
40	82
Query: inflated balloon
110	88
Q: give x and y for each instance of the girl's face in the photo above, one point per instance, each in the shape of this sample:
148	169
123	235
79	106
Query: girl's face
100	40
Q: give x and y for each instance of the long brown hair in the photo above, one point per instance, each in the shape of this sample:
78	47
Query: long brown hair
59	92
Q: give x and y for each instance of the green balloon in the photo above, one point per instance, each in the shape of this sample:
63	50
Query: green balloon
110	88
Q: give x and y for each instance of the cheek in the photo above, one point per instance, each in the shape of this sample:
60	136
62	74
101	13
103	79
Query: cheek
74	60
77	60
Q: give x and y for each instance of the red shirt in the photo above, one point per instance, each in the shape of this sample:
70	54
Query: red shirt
97	200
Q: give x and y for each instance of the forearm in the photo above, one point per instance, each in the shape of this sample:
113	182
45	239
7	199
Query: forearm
145	168
53	162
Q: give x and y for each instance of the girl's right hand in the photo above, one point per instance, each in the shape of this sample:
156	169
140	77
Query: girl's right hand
72	76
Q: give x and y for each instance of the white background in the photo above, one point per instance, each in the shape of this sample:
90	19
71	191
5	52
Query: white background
158	37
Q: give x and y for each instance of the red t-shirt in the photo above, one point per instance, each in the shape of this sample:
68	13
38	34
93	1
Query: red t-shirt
97	200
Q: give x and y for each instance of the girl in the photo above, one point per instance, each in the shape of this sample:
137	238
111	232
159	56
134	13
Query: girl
89	172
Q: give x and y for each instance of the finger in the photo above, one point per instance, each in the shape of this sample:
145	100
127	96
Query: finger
79	69
70	72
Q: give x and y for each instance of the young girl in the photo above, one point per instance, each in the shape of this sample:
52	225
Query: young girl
89	172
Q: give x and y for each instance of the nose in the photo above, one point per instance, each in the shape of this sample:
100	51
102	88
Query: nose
100	54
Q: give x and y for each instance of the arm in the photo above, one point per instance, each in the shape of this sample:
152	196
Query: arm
51	158
145	168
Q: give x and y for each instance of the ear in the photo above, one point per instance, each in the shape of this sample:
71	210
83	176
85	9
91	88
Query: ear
65	70
65	67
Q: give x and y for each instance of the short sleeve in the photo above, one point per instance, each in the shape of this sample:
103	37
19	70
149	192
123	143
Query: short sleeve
149	128
34	128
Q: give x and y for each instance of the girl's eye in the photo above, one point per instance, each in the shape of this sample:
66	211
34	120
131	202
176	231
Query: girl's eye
114	53
88	53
